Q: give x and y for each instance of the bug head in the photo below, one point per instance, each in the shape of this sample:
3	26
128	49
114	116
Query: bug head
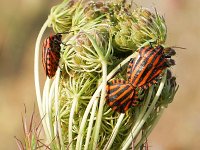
58	38
170	51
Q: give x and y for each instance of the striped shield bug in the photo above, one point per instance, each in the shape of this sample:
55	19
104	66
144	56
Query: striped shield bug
51	53
142	72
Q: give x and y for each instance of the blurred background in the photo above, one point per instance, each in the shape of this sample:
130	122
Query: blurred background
21	20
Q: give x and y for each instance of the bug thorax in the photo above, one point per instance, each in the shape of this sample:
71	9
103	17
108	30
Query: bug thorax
57	38
55	41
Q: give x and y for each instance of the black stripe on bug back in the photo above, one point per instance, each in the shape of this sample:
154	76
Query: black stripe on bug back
139	59
51	54
157	58
133	63
119	95
146	60
157	71
153	77
142	53
53	63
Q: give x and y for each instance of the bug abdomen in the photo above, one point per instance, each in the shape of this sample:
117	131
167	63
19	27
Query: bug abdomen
119	95
52	63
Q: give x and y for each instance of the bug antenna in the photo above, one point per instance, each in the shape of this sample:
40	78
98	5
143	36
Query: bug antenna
66	44
178	47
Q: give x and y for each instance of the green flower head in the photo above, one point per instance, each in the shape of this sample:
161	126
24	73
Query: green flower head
98	41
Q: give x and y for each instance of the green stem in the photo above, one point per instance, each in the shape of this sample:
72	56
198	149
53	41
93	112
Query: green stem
45	98
87	111
89	129
36	77
151	128
57	111
102	102
142	113
113	72
82	126
114	132
71	117
143	120
94	97
51	97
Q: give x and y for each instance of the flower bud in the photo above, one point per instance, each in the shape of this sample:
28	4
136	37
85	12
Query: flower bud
94	10
142	27
61	16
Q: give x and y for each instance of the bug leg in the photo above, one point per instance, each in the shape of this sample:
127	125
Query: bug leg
170	62
168	52
150	43
135	100
66	44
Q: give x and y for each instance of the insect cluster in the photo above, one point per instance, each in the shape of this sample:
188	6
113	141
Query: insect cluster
142	72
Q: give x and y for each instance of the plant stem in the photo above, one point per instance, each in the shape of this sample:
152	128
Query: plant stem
151	128
57	108
45	98
71	117
49	111
87	111
89	129
144	108
36	77
102	102
114	132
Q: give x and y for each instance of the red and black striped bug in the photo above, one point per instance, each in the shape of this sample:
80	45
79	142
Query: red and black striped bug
120	95
51	54
141	73
149	64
